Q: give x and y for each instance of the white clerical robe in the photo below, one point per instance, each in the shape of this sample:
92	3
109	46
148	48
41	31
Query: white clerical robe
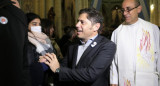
137	60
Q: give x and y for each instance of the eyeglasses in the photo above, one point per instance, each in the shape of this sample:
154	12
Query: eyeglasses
128	9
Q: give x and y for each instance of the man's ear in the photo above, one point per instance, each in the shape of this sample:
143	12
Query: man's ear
139	9
97	26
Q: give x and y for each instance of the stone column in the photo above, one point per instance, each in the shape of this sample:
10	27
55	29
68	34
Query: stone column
158	13
49	4
42	8
36	6
85	3
154	18
155	12
27	5
79	4
69	13
58	18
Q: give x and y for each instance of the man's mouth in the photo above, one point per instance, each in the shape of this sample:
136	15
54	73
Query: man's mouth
79	30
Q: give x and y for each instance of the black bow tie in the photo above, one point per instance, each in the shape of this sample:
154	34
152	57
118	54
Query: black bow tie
81	43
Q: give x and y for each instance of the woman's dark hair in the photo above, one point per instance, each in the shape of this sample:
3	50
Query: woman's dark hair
31	16
46	26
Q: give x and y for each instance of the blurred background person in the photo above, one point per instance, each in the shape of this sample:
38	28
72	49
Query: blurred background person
71	36
48	29
64	38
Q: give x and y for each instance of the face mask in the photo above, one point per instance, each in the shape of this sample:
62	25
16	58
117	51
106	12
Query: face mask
36	28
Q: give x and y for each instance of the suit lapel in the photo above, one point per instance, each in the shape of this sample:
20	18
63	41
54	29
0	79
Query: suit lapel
75	52
89	49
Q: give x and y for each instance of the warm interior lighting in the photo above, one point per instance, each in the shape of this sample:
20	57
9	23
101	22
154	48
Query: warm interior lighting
152	7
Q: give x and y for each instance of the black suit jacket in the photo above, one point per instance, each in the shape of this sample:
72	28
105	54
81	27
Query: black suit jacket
93	67
13	38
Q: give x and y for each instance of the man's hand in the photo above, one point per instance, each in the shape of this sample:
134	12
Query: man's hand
16	3
50	60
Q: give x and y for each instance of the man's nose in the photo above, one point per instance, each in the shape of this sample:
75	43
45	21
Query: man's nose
125	12
78	24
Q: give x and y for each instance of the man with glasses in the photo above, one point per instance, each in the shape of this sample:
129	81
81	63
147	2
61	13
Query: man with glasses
137	59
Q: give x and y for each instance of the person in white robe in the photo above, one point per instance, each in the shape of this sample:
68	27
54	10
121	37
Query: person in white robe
137	59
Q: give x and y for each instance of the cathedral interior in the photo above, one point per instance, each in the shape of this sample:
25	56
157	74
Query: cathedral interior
65	12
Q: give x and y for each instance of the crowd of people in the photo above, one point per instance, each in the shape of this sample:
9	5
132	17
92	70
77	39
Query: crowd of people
31	55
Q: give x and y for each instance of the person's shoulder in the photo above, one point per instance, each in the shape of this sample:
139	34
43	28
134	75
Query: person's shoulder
106	43
119	27
154	26
146	22
105	40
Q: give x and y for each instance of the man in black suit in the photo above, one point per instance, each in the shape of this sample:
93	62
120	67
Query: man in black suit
13	37
87	63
